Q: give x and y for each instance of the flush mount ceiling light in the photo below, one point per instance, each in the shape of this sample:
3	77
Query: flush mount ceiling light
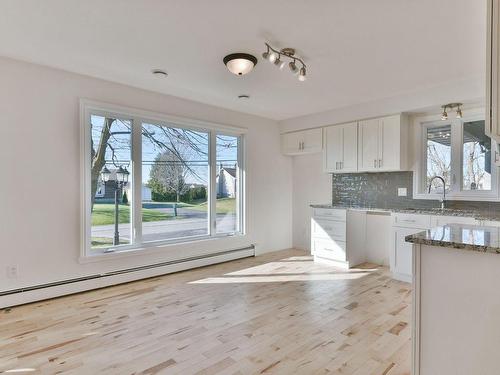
240	63
277	57
444	114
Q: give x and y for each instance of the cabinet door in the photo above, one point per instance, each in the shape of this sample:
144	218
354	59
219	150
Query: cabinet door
390	143
368	145
312	140
350	148
401	256
291	143
332	153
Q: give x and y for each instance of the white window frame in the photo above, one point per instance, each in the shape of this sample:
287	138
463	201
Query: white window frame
456	191
138	117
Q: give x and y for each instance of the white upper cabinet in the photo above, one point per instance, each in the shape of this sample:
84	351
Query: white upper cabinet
302	142
340	154
368	145
383	144
492	125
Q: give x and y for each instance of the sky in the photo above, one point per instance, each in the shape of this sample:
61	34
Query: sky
119	152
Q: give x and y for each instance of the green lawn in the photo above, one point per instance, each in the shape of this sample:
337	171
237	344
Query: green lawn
223	206
104	214
105	242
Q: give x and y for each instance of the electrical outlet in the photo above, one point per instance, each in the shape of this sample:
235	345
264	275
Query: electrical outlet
402	192
12	272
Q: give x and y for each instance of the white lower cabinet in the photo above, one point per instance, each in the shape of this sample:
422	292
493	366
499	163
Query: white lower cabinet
346	238
338	237
400	257
329	237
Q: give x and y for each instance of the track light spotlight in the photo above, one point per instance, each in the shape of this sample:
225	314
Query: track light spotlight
444	115
459	112
279	63
293	67
273	56
302	74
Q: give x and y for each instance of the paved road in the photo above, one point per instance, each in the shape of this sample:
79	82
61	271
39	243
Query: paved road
193	225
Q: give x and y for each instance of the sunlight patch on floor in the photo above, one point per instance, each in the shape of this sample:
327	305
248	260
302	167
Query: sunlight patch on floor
298	268
280	278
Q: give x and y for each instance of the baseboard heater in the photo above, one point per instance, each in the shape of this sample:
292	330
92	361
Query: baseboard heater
127	270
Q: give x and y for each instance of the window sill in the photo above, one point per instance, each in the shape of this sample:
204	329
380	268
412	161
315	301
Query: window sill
156	247
486	197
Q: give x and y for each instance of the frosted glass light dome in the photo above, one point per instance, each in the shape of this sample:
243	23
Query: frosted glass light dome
240	63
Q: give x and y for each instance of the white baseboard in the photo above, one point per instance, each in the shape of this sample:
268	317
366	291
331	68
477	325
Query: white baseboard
28	296
402	277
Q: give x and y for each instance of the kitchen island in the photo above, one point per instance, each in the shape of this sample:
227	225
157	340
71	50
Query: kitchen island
456	302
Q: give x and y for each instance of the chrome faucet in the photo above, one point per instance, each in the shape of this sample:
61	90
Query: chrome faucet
443	199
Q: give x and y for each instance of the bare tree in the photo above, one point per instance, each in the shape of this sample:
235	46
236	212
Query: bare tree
163	138
474	173
440	165
168	174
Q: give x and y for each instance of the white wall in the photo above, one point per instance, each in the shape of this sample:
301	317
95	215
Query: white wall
467	91
40	183
310	186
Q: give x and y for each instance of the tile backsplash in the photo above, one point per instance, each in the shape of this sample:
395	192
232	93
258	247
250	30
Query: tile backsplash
381	190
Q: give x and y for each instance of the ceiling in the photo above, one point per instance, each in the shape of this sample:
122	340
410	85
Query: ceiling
356	51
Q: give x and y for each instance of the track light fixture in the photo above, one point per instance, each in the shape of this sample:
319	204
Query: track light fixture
277	58
444	114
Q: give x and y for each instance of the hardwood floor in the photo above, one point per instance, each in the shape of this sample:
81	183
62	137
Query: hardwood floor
274	314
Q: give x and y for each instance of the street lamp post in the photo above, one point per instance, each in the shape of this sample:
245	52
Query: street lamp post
120	181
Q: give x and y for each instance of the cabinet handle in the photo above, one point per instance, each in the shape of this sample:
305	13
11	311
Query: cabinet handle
375	163
341	165
379	163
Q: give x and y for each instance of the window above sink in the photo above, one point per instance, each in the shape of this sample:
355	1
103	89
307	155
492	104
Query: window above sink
460	152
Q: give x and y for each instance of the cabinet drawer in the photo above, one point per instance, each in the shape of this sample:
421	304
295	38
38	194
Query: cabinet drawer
411	221
330	213
322	228
438	221
328	249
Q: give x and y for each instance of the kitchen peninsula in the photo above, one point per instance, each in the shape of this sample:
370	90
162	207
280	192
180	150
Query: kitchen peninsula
456	301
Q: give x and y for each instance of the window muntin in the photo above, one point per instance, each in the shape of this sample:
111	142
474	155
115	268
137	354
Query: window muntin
476	157
175	183
110	149
128	133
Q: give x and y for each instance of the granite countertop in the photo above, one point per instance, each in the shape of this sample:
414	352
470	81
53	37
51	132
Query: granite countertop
458	236
419	211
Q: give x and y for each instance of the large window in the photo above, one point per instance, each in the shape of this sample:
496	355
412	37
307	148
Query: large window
459	151
149	181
